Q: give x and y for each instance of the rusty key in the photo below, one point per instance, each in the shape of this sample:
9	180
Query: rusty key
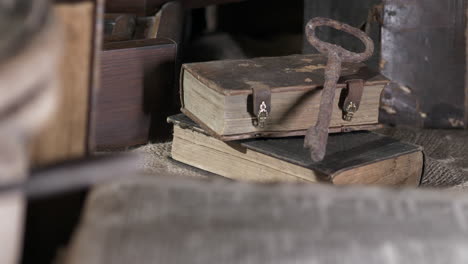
317	136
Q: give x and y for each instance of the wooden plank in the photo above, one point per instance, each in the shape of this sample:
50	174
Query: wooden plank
139	82
65	137
424	53
136	78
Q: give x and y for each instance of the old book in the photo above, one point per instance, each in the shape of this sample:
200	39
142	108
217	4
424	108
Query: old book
218	95
352	158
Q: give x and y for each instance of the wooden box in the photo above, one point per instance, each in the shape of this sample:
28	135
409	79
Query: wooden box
136	79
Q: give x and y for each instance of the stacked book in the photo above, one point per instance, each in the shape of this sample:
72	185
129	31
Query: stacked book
219	130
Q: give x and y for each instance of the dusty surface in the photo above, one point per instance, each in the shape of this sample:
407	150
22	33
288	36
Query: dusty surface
156	159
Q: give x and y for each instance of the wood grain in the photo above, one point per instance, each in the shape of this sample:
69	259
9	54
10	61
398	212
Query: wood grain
139	86
136	81
66	135
429	88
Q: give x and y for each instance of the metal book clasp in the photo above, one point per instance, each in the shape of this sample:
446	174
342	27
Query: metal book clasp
262	115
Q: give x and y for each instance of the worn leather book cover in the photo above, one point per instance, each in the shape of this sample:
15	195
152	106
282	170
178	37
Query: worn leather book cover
222	96
360	157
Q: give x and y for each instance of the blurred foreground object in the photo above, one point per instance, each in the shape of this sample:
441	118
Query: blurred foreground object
157	220
29	50
66	135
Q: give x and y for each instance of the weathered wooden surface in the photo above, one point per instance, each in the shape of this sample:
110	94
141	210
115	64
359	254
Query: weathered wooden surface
424	53
139	81
148	220
136	81
66	135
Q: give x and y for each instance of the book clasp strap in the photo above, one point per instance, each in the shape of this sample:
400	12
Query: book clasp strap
353	95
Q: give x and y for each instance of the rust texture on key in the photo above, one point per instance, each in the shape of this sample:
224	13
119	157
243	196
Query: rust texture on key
317	136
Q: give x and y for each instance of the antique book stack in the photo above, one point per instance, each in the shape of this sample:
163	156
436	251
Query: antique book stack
220	132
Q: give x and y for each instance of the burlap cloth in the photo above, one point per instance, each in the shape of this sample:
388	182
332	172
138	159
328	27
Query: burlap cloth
445	152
